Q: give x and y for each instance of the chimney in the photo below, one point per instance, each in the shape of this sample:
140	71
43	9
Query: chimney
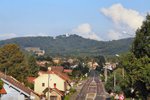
54	85
49	68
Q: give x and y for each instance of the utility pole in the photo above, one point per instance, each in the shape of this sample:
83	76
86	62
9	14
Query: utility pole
123	72
5	73
48	87
114	80
105	73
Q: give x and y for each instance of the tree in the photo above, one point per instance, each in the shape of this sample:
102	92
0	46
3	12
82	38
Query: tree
100	60
141	50
137	62
33	68
141	44
1	84
12	61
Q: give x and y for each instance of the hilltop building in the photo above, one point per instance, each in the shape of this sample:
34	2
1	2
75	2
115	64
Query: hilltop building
35	50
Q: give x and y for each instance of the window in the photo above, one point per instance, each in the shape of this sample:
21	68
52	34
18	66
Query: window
53	97
43	84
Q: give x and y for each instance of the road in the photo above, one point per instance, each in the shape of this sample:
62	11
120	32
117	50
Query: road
93	89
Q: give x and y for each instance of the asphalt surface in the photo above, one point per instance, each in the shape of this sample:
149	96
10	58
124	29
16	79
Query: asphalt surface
93	89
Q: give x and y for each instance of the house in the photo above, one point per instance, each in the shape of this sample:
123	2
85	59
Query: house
14	90
67	71
35	50
42	63
52	83
110	66
3	91
56	60
92	65
31	79
56	68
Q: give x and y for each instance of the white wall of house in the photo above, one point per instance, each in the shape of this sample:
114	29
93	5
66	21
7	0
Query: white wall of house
12	94
43	79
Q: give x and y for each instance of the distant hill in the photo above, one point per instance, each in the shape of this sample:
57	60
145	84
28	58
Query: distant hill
72	45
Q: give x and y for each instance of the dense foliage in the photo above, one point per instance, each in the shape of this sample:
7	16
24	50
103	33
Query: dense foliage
72	45
14	62
1	84
80	70
136	66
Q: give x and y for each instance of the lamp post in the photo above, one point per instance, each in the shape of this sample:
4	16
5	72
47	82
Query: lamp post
105	73
114	80
115	74
122	67
48	86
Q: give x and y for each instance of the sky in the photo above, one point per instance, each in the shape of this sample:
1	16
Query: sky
101	20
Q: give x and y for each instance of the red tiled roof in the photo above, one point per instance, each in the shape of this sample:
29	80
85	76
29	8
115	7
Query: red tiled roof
67	70
54	89
3	91
45	72
57	68
60	74
16	83
31	79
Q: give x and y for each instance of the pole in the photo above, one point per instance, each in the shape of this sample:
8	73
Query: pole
114	80
48	87
123	72
5	73
105	73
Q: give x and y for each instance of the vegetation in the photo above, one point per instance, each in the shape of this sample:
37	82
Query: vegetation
14	62
73	45
80	70
1	84
136	65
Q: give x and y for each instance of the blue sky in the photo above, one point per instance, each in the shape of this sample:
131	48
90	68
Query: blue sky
95	19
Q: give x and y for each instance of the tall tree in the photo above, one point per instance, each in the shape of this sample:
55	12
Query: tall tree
11	61
141	44
137	62
32	66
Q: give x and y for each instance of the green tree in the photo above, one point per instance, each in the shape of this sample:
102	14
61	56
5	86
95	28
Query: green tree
11	61
1	84
137	62
141	51
141	44
33	68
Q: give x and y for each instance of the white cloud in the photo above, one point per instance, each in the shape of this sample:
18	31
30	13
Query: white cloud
113	35
125	21
36	34
121	15
85	30
4	36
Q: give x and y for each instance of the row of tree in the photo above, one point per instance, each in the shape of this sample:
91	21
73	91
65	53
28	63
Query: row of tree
133	72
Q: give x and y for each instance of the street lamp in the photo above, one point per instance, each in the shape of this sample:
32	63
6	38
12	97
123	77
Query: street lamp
48	86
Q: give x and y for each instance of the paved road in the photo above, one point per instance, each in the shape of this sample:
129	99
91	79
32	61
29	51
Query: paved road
93	89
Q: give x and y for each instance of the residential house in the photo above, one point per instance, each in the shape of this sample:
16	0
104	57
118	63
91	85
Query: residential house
14	90
92	65
56	60
35	50
69	71
52	83
110	65
42	63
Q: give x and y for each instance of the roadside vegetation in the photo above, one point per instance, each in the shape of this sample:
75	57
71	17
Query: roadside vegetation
132	75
